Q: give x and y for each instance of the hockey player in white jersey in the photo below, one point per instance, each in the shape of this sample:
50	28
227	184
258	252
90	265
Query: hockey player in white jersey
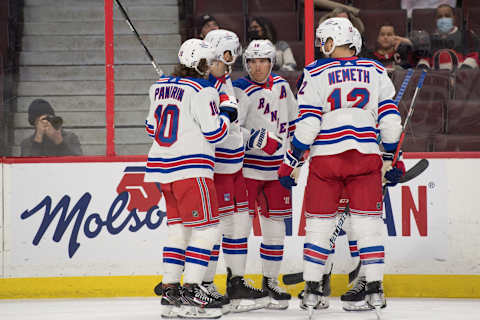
267	113
344	102
186	120
228	178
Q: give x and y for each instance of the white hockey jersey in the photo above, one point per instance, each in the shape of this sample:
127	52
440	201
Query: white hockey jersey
228	153
271	106
343	104
184	123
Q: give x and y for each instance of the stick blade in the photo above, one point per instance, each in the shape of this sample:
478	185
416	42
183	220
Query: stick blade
415	171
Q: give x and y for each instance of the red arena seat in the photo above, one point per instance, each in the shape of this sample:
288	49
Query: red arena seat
456	142
463	117
216	6
435	87
428	117
384	4
259	7
467	84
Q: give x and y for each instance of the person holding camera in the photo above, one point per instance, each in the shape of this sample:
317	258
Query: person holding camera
49	138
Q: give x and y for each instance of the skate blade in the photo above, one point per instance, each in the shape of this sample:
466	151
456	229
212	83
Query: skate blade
356	306
378	313
245	305
310	312
170	312
277	304
193	312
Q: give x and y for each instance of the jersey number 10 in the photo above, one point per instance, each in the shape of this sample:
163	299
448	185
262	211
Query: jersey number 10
167	125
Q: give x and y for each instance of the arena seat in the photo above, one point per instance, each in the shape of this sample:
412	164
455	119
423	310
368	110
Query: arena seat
470	4
473	23
467	84
435	87
298	49
428	117
385	4
285	23
424	19
456	142
216	6
259	7
417	143
463	117
372	19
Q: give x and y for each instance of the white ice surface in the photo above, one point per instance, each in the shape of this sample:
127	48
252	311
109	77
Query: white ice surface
149	309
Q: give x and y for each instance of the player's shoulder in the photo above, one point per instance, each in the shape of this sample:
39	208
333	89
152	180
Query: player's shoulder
246	85
318	66
367	62
196	84
241	83
278	79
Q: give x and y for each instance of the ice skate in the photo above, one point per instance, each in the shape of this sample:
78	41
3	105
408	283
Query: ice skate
198	304
278	296
171	299
314	288
212	289
374	297
243	296
354	299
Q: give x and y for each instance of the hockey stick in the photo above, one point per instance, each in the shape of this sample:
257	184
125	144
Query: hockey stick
409	115
147	52
412	173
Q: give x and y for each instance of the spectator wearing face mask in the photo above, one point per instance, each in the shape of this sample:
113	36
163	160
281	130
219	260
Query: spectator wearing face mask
261	28
450	48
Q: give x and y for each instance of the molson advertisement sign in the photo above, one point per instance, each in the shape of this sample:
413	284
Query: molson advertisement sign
101	218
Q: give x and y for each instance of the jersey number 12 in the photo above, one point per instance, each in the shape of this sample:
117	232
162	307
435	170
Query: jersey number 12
335	98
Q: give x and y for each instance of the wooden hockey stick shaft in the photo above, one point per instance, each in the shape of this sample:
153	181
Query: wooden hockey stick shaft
132	28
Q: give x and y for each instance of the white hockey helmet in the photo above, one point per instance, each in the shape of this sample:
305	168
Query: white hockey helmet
259	49
357	41
223	41
194	50
340	30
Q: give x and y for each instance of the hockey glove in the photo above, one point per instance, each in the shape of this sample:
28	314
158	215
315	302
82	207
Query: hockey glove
288	171
391	175
229	107
266	141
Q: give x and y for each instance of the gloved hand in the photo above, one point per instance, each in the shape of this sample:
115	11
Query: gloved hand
391	175
288	171
266	141
228	107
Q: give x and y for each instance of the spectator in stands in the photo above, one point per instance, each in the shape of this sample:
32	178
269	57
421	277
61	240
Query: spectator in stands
205	24
449	46
341	12
393	51
49	139
262	28
409	5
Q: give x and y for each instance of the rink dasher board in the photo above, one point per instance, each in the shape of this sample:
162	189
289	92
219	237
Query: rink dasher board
108	250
